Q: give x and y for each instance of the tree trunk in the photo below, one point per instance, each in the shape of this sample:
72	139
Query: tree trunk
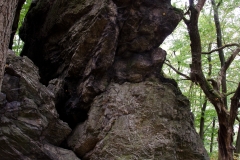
212	135
219	45
225	140
7	8
202	120
238	141
226	120
226	131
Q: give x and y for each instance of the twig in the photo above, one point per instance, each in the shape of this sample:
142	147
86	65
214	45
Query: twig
226	45
177	71
229	93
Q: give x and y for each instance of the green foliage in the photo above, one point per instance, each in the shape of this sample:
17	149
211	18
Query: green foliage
177	46
17	42
214	156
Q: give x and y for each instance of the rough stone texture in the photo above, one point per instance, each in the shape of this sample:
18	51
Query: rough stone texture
89	43
29	126
103	56
146	120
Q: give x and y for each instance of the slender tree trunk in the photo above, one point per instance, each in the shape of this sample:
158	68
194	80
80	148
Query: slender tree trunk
202	120
212	135
7	13
209	60
238	141
226	120
219	45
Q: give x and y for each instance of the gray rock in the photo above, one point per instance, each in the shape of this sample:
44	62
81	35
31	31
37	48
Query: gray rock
57	153
10	87
145	120
88	44
30	128
87	53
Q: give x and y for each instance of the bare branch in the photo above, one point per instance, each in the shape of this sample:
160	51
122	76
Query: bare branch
229	93
227	64
232	81
177	71
227	45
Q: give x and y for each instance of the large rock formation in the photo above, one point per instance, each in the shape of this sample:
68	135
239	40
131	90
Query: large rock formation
90	43
101	64
29	124
146	120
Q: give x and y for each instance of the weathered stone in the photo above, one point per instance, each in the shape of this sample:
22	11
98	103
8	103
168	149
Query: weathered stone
146	120
29	124
57	88
10	87
89	43
88	52
57	153
3	100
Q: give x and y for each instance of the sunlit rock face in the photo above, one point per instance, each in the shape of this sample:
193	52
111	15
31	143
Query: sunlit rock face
100	70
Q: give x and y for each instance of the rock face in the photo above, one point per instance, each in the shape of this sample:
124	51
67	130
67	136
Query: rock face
147	120
101	64
29	124
89	43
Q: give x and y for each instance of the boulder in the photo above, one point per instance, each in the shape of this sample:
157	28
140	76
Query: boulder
30	128
102	64
91	43
146	120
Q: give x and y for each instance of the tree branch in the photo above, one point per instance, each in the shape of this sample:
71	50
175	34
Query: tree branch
215	85
191	2
177	71
200	5
229	93
227	45
226	65
219	3
234	105
196	74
